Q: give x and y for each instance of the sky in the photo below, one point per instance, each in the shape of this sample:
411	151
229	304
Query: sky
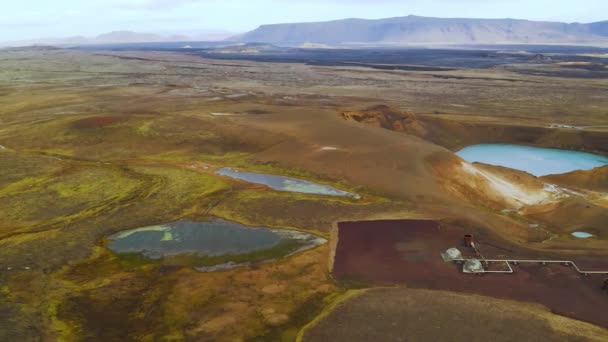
32	19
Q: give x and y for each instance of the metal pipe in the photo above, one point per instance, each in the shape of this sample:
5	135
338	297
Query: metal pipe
508	265
508	261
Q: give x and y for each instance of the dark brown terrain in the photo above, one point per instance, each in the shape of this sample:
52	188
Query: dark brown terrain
383	253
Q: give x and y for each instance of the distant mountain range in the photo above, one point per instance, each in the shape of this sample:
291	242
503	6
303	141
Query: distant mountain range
391	31
117	37
426	30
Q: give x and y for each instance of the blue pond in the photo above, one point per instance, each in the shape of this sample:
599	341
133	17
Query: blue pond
535	160
582	235
282	183
208	238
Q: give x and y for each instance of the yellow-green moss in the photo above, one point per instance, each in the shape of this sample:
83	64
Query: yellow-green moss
145	129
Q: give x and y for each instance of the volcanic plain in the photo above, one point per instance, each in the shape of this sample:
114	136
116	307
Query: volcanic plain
95	142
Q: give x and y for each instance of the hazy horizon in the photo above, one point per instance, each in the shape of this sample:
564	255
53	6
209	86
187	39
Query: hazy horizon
40	19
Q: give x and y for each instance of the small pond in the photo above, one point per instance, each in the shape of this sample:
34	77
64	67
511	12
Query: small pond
211	245
582	235
535	160
282	183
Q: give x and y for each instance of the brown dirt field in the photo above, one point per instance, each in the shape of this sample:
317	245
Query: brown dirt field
95	122
402	314
408	252
575	214
392	155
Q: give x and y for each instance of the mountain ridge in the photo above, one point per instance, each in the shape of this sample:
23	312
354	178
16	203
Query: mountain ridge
416	30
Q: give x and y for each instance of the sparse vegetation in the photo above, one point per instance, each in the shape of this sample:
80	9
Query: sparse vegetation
98	144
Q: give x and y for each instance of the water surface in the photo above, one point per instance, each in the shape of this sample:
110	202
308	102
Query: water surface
582	235
211	242
535	160
282	183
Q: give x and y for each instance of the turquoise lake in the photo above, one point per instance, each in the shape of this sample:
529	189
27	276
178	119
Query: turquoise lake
535	160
